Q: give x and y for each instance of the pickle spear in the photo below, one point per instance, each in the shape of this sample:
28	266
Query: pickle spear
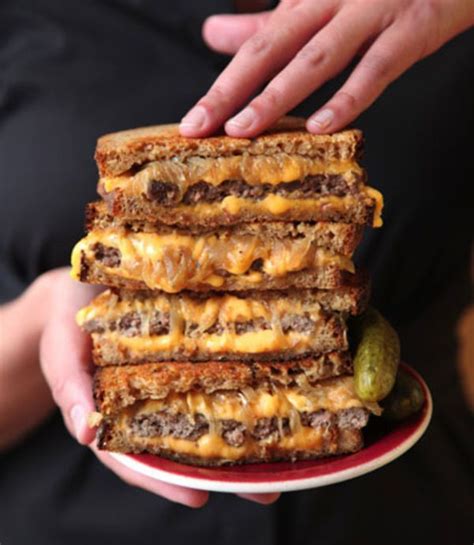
377	356
405	399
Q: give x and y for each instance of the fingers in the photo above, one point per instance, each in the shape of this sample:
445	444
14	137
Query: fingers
178	494
321	58
286	31
226	33
65	356
389	56
264	499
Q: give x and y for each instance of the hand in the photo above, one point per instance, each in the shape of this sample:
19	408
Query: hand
65	354
303	43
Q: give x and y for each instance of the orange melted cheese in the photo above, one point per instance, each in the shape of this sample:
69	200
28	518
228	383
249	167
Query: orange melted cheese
172	262
246	407
253	169
213	445
225	310
252	342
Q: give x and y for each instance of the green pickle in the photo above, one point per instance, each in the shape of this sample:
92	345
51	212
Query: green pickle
405	399
376	357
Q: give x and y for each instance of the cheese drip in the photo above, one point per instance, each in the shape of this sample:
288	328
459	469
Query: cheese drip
252	169
172	262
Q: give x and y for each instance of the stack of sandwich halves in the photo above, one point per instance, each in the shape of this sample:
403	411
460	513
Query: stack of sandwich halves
222	337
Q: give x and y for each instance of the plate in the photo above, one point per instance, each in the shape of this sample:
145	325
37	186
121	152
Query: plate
384	442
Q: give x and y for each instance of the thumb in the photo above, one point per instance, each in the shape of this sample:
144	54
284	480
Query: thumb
65	355
226	33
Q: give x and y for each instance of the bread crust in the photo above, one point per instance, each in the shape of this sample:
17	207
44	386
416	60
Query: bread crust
118	152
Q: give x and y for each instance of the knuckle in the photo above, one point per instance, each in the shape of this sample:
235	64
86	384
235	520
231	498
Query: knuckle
424	20
378	64
258	45
271	97
217	97
426	10
314	55
346	100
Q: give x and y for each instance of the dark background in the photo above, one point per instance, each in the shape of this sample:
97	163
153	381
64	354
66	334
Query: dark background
71	71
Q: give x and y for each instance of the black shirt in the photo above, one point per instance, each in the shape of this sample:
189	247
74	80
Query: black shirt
70	71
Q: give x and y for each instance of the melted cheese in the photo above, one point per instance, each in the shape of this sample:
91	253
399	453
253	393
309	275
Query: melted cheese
172	262
252	342
378	198
253	169
213	446
246	407
227	311
218	308
278	205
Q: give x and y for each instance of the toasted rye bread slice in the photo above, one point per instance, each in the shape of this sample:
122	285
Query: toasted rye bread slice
341	238
118	387
118	152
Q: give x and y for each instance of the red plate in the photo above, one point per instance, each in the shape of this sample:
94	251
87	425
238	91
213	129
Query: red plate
383	443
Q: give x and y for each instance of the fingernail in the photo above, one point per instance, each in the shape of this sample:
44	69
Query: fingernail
194	119
243	120
78	417
322	120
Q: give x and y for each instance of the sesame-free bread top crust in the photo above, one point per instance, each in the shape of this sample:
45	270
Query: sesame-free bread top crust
118	152
117	387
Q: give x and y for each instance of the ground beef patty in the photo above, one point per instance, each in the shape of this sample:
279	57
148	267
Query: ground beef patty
235	433
107	255
130	325
165	423
169	194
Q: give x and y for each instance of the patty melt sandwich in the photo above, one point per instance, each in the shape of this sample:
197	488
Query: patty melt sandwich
223	335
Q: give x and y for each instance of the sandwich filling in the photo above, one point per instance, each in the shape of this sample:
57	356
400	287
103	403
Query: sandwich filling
274	185
252	170
172	262
236	423
164	327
